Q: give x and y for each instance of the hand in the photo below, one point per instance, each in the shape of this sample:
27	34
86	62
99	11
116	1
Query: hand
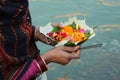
56	24
61	55
41	37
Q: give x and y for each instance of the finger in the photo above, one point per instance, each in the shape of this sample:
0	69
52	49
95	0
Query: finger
70	49
65	62
78	52
75	55
56	24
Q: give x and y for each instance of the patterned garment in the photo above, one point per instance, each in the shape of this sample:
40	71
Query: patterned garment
17	43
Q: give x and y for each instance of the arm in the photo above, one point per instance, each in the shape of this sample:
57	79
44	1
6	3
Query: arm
60	55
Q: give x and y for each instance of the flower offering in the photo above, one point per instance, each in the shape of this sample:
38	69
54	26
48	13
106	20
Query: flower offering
72	32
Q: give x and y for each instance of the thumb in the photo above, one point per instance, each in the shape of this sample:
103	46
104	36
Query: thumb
70	49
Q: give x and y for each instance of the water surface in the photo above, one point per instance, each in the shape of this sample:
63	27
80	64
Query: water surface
94	64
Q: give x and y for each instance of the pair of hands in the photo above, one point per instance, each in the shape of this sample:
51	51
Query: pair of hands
62	54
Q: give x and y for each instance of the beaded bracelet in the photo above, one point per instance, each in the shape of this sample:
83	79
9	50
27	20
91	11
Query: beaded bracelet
41	63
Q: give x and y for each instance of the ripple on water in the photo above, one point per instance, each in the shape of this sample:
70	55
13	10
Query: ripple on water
107	27
109	3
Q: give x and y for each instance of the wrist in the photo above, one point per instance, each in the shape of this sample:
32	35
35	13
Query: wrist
47	58
41	63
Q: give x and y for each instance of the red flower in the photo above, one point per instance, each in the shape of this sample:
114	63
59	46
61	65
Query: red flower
49	34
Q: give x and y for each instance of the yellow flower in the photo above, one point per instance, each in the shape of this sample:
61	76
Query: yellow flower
78	37
77	27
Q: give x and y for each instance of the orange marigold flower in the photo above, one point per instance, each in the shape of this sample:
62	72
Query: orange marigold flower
67	29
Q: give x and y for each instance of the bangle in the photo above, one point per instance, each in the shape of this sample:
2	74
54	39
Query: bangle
41	63
38	66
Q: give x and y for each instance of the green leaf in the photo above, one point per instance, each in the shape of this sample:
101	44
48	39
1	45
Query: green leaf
56	42
87	33
55	29
73	25
69	44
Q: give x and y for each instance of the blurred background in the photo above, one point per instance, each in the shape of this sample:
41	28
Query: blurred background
97	63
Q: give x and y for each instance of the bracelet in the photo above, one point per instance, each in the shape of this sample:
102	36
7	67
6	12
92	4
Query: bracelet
41	63
38	66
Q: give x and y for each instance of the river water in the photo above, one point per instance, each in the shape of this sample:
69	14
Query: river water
95	64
